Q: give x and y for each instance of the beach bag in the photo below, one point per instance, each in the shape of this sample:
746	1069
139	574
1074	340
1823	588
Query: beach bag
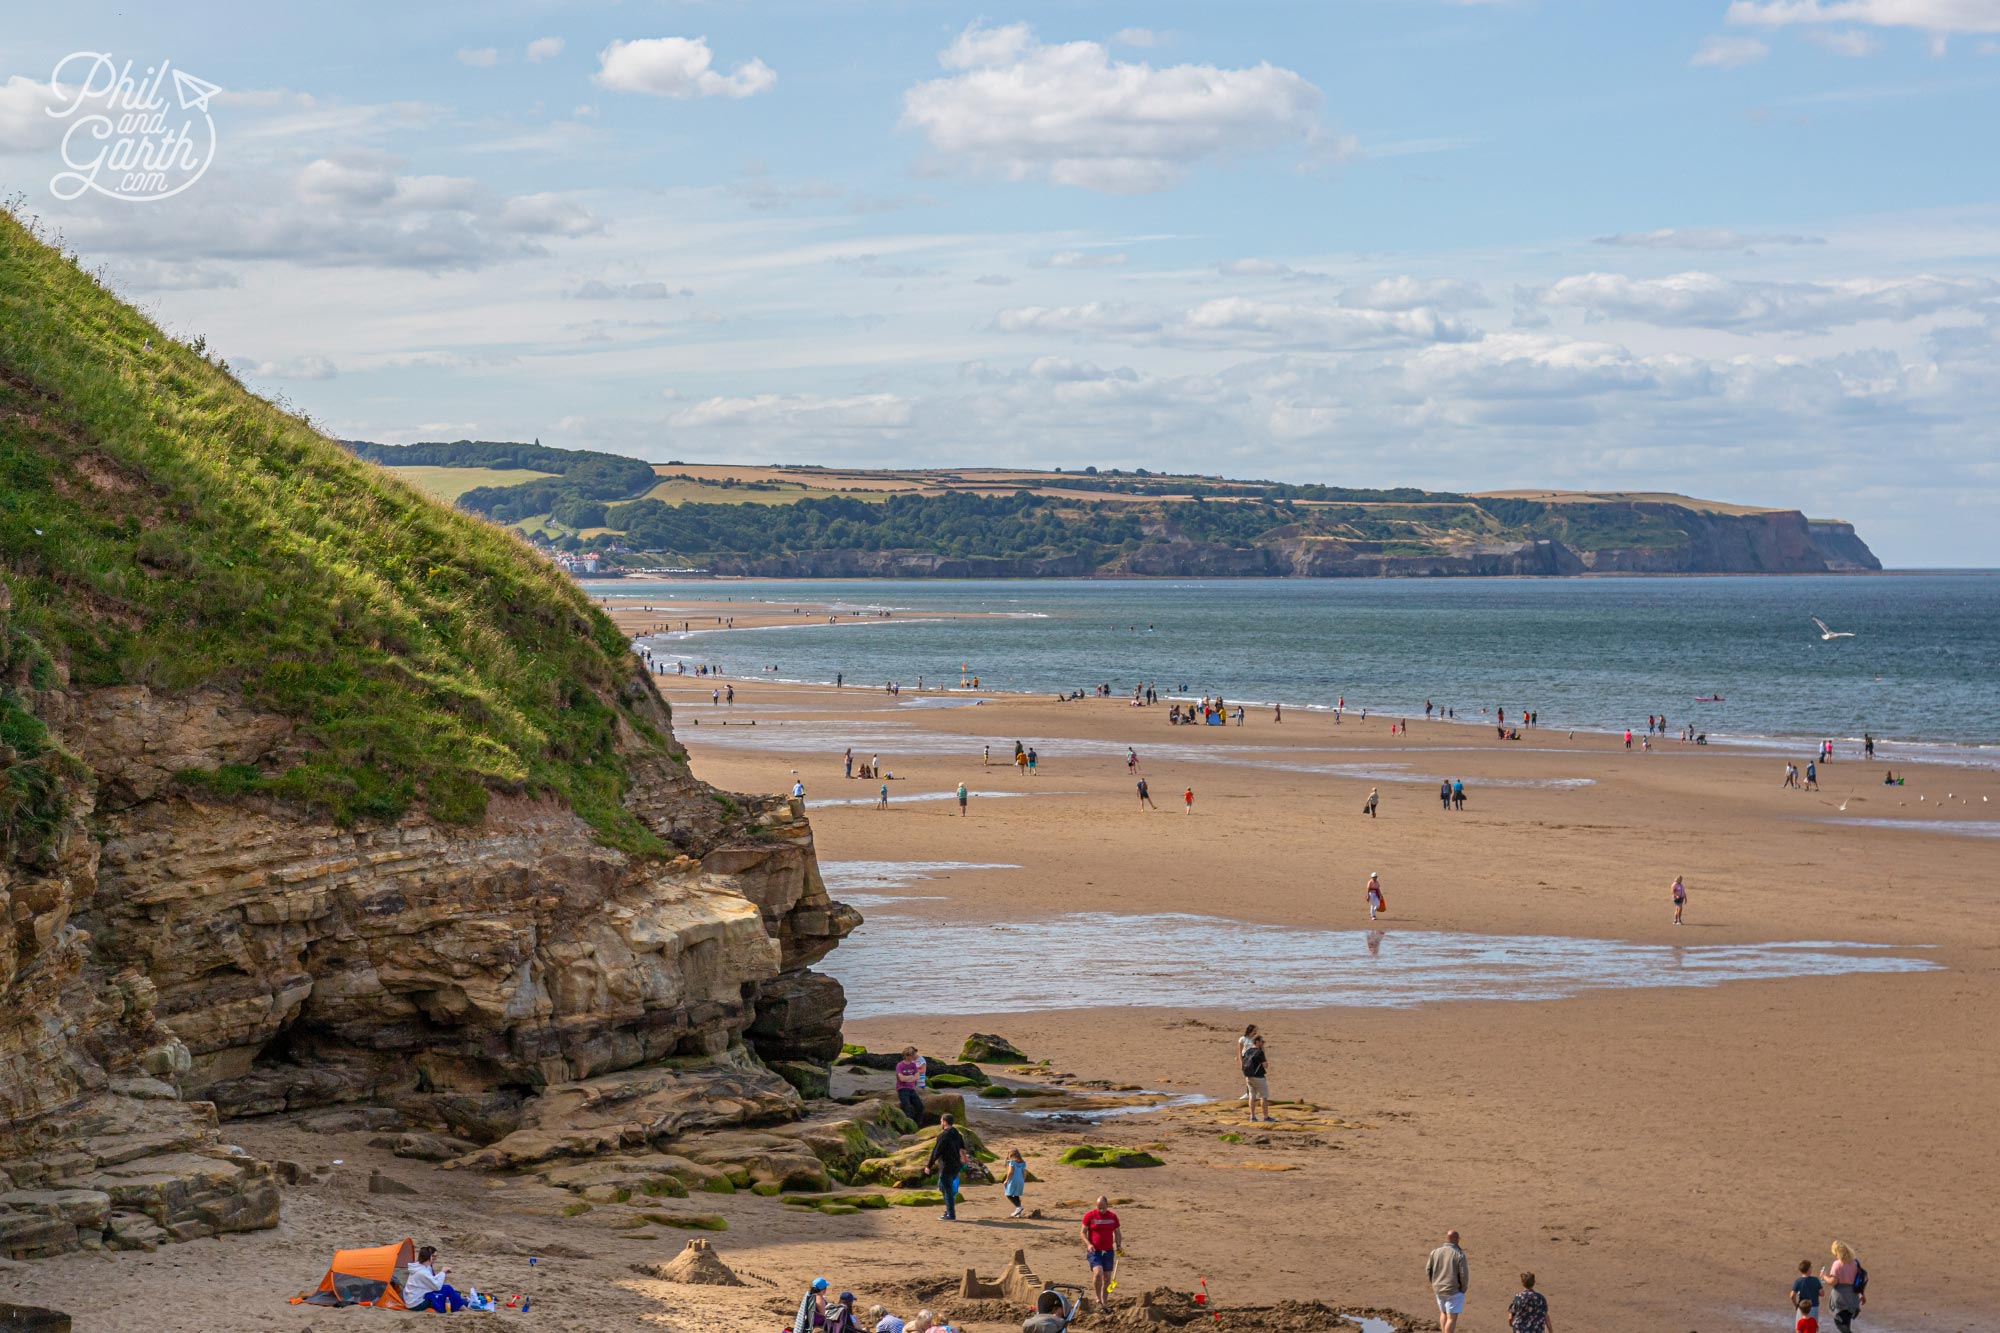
1860	1279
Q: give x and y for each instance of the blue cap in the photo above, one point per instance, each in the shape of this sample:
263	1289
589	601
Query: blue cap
820	1284
847	1298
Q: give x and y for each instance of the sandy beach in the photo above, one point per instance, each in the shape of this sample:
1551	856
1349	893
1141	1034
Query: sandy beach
1661	1156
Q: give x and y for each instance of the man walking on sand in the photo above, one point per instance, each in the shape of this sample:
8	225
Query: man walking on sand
1449	1275
1101	1245
1145	796
1374	799
1187	801
947	1156
961	800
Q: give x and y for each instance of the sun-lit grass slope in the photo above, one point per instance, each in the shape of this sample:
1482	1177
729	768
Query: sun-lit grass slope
1627	497
448	483
160	525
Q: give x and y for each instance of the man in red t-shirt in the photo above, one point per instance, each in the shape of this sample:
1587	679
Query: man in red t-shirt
1101	1243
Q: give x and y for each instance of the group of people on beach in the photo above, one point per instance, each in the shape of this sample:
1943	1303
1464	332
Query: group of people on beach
819	1315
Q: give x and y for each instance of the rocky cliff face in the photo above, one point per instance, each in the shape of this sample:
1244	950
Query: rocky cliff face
313	791
1760	542
175	956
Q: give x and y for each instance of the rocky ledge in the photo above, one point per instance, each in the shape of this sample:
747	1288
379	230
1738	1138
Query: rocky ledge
177	959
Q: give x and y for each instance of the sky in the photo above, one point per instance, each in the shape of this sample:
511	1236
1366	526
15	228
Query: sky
1741	249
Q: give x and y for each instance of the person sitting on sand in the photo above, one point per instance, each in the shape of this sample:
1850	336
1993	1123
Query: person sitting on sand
882	1321
907	1097
840	1319
812	1310
425	1288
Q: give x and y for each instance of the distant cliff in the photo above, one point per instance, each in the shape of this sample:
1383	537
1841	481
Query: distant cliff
811	522
1596	537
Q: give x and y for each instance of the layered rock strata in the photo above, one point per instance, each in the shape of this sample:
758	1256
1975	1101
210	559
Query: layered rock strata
175	957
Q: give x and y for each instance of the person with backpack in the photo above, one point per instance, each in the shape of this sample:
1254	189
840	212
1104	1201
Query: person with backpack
1255	1073
1849	1280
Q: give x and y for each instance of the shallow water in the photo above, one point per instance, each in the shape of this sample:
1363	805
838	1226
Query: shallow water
1092	959
906	798
888	737
1964	828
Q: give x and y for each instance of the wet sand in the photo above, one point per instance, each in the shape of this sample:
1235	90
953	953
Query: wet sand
1661	1157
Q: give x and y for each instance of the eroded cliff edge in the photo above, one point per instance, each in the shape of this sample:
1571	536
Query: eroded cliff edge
314	793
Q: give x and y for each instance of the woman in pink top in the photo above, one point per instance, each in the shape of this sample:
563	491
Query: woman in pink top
1841	1275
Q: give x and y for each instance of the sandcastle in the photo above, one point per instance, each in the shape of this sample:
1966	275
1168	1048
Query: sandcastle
1017	1283
698	1264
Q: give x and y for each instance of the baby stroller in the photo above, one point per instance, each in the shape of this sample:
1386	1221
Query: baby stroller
1053	1310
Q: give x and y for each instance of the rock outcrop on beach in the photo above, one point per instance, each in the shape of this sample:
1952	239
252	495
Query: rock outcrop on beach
314	792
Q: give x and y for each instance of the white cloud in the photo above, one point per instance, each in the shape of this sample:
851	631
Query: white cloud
1082	259
1729	52
478	57
874	411
1705	300
1704	238
1268	268
678	67
1239	322
352	209
545	48
594	290
294	368
163	275
1415	293
547	215
1852	42
1935	16
1137	37
1068	113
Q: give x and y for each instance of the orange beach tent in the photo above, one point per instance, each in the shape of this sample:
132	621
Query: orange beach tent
364	1277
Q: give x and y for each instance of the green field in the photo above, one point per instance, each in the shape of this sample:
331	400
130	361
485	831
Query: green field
448	483
684	490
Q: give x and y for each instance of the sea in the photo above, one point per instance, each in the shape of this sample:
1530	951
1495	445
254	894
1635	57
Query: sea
1921	672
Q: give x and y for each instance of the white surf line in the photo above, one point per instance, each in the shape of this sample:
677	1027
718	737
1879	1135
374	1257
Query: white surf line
907	797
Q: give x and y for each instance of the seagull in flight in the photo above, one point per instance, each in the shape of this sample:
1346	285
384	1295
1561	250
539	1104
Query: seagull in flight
1828	635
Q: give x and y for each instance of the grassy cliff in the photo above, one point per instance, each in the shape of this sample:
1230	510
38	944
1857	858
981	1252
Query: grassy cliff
162	526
